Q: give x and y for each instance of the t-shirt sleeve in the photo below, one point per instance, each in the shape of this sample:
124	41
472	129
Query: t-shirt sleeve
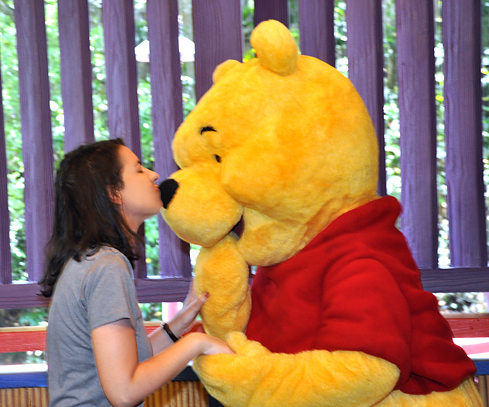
108	292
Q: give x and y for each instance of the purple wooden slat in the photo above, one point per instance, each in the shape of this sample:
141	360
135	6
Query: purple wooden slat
271	9
417	114
120	61
366	66
122	97
175	289
76	72
217	35
456	280
463	129
21	296
148	290
36	131
5	254
162	290
316	22
167	114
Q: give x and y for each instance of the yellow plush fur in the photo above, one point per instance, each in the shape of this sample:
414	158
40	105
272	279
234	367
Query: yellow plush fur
283	144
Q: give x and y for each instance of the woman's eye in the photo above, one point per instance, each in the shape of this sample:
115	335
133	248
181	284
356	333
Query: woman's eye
217	158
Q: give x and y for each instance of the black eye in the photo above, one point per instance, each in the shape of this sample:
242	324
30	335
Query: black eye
218	158
207	128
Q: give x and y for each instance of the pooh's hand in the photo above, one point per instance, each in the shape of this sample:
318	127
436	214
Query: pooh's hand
255	377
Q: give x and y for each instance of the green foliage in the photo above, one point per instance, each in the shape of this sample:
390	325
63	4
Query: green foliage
151	311
462	302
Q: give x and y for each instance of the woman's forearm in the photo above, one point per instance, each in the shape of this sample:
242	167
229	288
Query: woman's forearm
148	376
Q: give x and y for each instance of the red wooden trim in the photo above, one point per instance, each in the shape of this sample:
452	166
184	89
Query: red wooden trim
30	339
469	325
22	340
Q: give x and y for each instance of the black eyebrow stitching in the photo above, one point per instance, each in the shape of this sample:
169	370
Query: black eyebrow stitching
207	128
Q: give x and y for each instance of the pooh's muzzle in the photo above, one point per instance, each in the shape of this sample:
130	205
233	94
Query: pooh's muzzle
167	191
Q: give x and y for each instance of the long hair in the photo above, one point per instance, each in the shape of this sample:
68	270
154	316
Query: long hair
85	217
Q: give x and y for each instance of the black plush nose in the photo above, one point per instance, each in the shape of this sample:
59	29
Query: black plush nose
167	191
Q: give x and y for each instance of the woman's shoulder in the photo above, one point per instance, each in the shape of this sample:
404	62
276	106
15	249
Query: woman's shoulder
107	252
107	257
106	266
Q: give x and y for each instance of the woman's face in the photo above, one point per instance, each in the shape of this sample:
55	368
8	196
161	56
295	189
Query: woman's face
139	198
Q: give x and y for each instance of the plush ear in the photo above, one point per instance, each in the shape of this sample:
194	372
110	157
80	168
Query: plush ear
222	69
275	47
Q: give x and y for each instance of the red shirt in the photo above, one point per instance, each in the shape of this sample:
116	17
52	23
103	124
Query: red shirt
356	287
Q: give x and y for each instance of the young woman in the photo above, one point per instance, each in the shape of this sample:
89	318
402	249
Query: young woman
98	352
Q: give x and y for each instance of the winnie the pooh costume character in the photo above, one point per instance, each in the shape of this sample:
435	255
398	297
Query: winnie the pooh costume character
279	170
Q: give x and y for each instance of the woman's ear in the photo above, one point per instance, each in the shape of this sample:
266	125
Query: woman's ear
114	196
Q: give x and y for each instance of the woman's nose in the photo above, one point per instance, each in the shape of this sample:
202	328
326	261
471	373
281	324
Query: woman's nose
154	176
167	191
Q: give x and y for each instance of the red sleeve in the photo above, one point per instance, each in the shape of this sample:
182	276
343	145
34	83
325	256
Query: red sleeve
365	310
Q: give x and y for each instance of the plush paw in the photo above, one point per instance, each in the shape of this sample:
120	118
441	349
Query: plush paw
232	378
256	377
222	272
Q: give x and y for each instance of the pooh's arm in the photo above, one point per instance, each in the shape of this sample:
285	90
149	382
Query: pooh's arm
256	377
224	274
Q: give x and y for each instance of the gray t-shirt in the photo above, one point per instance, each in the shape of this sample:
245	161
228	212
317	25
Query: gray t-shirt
94	292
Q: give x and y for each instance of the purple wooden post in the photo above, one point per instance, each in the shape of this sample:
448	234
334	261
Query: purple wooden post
217	35
463	129
271	9
76	72
122	96
316	23
167	114
366	66
36	131
5	254
417	114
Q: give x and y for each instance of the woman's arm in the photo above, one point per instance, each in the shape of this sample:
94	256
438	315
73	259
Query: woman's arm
125	381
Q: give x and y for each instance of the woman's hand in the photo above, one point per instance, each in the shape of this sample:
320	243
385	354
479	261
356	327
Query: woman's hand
184	320
214	346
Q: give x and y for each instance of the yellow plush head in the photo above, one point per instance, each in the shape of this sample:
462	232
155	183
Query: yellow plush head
282	142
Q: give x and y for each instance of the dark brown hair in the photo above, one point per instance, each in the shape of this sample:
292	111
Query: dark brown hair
85	217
